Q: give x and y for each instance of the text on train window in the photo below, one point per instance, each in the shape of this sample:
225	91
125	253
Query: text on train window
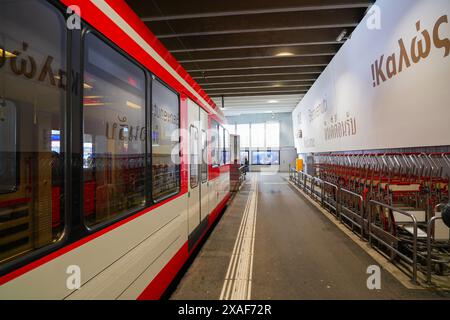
165	141
32	103
114	133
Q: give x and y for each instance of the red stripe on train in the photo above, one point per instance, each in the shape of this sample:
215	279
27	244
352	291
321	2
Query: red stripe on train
53	255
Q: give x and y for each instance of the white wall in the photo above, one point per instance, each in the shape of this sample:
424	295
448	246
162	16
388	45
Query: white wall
409	109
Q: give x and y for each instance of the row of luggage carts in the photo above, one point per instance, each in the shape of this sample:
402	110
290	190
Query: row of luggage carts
398	202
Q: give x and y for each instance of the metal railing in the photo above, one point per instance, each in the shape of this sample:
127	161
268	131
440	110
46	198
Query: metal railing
430	226
308	184
332	200
352	207
242	173
354	217
383	236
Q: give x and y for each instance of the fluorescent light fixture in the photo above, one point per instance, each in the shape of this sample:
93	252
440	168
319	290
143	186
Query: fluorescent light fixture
85	85
93	97
272	101
94	104
342	35
7	54
133	105
284	54
268	111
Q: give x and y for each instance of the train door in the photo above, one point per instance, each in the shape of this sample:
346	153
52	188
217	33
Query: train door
204	184
196	225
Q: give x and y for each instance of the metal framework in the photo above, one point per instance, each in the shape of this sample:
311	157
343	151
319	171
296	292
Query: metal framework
393	200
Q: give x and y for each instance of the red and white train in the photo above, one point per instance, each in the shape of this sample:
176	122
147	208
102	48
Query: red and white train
114	163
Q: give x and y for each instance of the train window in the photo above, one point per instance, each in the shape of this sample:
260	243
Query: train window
114	133
221	145
193	150
226	151
215	150
204	160
32	105
165	142
8	147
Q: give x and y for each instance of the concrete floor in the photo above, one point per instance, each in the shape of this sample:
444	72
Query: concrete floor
298	253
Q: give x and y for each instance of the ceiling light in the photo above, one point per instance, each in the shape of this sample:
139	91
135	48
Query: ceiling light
133	105
342	35
94	104
272	101
93	97
284	54
268	112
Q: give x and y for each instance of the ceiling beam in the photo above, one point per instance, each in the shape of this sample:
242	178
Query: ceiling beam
196	74
167	17
257	23
273	81
284	98
255	39
252	46
260	67
209	89
211	78
256	92
256	58
216	55
261	63
259	105
222	32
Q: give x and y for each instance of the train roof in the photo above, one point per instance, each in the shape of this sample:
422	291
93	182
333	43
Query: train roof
120	24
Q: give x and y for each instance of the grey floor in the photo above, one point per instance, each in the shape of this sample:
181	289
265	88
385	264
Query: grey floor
299	254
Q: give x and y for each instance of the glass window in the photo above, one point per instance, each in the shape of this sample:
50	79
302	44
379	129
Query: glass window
8	148
231	128
257	135
204	163
243	130
32	107
272	134
221	145
193	149
265	157
226	152
215	149
245	156
114	133
165	141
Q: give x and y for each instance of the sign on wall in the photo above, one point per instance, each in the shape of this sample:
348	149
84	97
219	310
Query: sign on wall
388	86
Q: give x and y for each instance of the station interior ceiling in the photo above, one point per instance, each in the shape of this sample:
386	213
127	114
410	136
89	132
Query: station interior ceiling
259	55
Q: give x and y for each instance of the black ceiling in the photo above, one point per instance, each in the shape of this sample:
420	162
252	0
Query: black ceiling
232	47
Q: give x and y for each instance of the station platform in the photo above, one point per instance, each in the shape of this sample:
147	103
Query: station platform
272	243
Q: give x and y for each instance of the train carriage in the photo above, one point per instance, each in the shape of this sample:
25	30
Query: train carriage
114	163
